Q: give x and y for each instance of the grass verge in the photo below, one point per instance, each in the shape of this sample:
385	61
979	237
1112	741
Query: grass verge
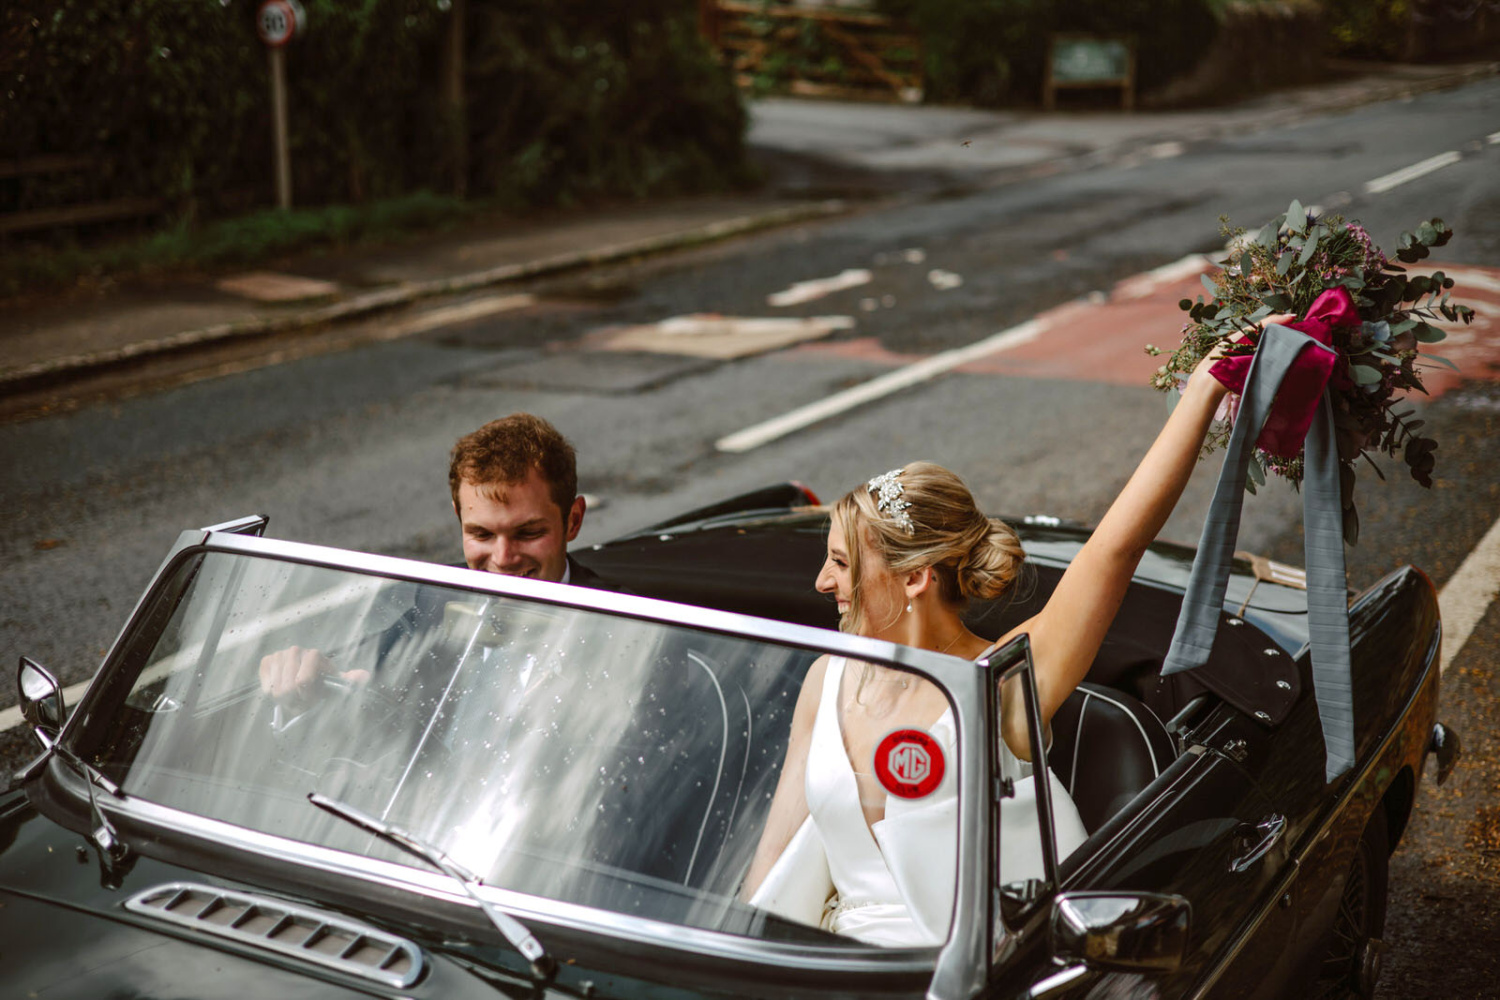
249	239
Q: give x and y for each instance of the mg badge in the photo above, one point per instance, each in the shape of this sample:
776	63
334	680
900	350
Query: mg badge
909	763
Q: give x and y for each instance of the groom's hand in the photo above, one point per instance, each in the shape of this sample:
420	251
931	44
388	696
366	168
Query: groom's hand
295	675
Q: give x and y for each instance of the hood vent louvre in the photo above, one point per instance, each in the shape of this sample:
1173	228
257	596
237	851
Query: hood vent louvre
329	940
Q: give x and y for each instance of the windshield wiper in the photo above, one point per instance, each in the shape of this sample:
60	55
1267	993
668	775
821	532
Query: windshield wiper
542	964
112	850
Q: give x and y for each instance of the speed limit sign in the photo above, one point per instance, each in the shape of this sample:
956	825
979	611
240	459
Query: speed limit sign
278	21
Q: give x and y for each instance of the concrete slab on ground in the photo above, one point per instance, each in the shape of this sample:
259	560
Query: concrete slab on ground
709	335
268	286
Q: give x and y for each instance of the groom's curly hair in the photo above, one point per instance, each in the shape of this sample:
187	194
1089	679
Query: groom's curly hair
503	452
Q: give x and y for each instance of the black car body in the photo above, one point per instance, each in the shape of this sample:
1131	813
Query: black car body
164	846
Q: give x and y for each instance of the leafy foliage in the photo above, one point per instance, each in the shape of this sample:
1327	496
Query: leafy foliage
170	98
994	51
584	99
1292	260
1371	29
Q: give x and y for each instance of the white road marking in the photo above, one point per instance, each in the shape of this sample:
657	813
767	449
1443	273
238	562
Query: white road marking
10	718
816	288
1398	177
944	280
901	378
1467	595
450	315
366	589
1165	150
1493	138
1144	284
1466	278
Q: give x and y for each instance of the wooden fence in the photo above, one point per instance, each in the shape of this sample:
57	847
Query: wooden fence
815	51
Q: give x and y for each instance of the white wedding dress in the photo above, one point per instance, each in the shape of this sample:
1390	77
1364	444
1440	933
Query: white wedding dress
892	883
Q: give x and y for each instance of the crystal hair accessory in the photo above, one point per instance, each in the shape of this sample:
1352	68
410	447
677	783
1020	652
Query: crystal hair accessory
888	489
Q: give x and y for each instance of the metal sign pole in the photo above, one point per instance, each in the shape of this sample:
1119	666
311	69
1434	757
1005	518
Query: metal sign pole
279	128
278	22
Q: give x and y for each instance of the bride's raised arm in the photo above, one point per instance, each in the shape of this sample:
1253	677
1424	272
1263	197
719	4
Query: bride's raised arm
1067	632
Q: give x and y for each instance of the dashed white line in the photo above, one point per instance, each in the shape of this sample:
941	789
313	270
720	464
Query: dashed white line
902	378
461	313
1398	177
1467	595
1493	138
10	718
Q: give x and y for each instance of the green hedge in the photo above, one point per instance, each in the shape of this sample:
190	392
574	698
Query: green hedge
573	98
171	98
994	51
1369	29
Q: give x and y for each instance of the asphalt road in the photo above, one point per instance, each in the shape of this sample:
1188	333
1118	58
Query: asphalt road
349	448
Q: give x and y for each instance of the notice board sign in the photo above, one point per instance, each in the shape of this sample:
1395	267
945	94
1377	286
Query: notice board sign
1077	61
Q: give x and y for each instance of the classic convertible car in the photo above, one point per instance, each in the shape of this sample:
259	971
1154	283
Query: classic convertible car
515	788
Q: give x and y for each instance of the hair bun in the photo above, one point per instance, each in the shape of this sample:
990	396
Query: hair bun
992	563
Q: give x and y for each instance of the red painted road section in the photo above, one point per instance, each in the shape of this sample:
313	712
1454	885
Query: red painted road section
1105	341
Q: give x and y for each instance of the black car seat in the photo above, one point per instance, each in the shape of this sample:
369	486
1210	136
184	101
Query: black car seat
1106	747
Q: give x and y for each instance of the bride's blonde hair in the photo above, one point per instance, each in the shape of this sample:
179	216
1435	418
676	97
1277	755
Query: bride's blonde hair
972	556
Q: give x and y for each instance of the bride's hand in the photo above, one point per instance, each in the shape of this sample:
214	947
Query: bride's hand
1201	371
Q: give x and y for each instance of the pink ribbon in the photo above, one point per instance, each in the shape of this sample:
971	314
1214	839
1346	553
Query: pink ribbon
1292	412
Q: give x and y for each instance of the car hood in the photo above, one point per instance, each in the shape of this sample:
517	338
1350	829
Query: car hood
65	932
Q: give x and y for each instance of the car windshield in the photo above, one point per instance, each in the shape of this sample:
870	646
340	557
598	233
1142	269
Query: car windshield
571	754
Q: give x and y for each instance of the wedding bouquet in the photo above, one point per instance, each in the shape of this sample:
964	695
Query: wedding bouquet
1378	319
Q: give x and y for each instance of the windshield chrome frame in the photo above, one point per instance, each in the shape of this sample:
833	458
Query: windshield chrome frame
962	965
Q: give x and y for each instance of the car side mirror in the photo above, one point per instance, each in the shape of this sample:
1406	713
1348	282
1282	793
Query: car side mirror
41	700
1142	932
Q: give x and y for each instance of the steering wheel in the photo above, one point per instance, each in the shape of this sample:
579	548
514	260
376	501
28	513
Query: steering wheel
334	689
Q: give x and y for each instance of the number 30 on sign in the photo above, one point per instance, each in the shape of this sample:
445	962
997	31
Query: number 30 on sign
279	21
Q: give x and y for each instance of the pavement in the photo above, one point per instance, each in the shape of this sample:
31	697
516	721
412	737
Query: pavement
821	159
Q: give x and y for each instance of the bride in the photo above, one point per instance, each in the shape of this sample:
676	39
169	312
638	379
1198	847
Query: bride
905	553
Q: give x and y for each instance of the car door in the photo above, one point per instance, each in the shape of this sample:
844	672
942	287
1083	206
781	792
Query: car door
1206	831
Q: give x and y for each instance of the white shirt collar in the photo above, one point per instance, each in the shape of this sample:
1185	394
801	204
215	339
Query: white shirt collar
567	571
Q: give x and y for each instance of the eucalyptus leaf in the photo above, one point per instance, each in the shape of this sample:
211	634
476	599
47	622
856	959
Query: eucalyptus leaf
1308	249
1255	471
1364	374
1403	326
1284	263
1267	237
1296	217
1429	334
1278	301
1426	234
1439	359
1351	526
1209	285
1260	314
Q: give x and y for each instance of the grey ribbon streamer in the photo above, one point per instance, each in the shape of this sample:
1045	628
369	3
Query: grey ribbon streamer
1327	604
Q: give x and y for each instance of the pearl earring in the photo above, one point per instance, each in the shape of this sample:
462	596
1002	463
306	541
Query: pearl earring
908	607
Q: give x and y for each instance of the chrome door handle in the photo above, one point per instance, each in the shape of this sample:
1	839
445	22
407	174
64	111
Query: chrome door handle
1269	830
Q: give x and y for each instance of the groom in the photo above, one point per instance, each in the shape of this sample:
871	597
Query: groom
514	484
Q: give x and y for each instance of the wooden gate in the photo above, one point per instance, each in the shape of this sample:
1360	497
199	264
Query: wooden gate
815	51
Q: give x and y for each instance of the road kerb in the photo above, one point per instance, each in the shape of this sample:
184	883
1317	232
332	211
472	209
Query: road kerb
56	370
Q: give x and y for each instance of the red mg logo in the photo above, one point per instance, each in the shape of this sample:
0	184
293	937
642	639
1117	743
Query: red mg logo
909	763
